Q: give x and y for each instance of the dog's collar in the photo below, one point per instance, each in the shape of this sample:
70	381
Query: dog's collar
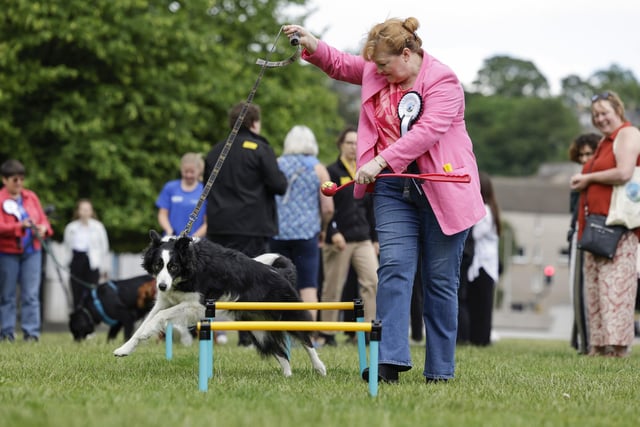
98	305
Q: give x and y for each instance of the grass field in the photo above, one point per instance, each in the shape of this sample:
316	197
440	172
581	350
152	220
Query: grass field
57	382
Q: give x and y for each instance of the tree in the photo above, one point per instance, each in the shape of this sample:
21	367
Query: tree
621	81
510	77
100	99
514	136
577	93
348	101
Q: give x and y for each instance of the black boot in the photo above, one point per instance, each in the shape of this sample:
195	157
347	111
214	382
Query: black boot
386	373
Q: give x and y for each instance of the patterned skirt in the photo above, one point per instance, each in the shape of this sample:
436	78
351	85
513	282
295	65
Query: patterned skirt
610	294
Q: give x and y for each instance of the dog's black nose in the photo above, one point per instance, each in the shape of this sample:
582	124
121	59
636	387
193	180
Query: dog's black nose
162	286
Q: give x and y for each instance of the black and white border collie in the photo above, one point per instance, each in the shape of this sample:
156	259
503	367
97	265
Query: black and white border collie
188	271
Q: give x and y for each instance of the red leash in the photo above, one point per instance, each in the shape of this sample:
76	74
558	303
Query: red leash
329	188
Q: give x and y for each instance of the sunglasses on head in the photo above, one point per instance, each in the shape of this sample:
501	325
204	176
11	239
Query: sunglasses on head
600	96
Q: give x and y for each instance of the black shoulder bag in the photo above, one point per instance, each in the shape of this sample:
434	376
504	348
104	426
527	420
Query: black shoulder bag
597	237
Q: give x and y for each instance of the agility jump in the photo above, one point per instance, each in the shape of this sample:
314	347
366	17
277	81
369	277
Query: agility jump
204	328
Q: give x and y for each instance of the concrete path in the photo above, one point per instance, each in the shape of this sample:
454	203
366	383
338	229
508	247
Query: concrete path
560	326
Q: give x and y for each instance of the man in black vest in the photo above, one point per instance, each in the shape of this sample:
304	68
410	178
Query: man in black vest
241	207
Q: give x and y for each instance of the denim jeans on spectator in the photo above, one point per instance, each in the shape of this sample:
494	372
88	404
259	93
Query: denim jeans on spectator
26	270
407	229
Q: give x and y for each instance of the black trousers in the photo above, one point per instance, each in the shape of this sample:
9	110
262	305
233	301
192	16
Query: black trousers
82	277
349	293
463	310
480	295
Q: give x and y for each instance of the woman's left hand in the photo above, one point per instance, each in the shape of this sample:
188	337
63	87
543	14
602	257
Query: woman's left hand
579	182
306	39
368	172
41	230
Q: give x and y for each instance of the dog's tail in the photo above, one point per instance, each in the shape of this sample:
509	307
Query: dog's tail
282	264
287	268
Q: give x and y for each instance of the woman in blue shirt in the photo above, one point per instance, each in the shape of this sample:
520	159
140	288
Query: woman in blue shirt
179	197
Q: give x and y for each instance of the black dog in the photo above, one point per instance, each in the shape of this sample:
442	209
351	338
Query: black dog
189	271
118	303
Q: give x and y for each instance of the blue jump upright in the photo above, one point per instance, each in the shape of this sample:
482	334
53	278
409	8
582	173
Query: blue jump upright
168	341
210	313
204	356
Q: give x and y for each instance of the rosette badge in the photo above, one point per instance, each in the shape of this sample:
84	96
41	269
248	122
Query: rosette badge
409	109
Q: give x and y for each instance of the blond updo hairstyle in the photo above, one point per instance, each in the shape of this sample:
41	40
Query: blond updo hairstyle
391	37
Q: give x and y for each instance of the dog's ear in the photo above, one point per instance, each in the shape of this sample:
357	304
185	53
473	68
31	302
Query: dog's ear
183	243
148	253
155	237
185	255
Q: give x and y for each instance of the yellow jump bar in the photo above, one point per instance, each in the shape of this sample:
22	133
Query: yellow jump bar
222	305
259	325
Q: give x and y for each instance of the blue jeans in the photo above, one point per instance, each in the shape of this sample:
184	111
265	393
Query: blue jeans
24	269
409	236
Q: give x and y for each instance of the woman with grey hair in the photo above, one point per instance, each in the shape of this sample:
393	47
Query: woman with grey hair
303	211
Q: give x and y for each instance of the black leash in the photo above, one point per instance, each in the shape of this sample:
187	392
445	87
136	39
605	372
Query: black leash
58	266
264	64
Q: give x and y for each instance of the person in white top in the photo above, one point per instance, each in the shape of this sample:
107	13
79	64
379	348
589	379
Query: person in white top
483	273
87	249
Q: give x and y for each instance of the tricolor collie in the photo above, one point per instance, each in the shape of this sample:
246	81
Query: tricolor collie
187	271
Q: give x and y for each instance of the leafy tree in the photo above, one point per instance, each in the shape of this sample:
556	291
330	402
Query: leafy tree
616	78
510	77
348	101
100	99
514	136
577	93
622	81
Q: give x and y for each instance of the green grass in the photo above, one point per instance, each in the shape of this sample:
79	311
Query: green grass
513	383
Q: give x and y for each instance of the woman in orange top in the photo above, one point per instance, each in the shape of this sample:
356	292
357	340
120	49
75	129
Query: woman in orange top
610	285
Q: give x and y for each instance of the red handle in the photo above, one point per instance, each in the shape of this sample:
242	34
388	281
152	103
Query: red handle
330	188
437	177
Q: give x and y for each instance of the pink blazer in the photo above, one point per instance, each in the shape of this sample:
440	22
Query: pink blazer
438	137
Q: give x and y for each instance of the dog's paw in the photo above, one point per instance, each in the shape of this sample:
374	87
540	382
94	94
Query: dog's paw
186	339
320	368
316	362
285	365
123	350
184	334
